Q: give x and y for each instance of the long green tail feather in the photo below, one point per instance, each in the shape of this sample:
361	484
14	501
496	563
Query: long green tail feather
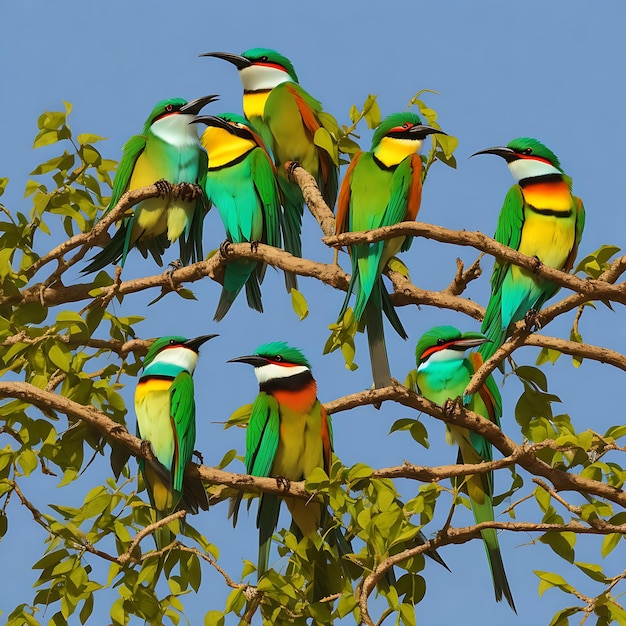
238	274
253	293
291	225
483	512
390	311
266	521
494	556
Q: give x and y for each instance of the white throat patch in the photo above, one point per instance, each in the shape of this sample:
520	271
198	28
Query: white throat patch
261	77
442	356
271	371
176	130
529	168
179	356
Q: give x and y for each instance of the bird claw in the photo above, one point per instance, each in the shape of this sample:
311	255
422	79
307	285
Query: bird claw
450	405
538	263
188	192
531	321
199	456
283	483
254	245
224	248
292	167
164	187
146	449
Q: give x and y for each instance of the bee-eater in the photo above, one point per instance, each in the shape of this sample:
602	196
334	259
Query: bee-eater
289	435
241	182
443	372
381	187
166	417
166	153
540	218
287	118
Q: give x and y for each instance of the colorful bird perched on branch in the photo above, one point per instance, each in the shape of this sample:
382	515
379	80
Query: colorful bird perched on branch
166	153
382	187
241	182
540	218
289	435
443	373
293	126
166	418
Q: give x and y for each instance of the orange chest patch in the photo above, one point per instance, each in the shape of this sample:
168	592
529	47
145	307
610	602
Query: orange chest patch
300	401
554	196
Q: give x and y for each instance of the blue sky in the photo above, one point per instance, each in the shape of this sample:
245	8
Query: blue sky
549	70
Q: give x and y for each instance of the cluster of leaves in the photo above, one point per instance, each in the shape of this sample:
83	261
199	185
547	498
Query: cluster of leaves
79	354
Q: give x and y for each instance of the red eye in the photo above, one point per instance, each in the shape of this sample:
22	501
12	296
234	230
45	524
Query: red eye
169	108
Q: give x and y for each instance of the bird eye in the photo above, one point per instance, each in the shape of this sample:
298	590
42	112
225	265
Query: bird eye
169	108
264	59
440	342
278	358
172	342
528	151
406	125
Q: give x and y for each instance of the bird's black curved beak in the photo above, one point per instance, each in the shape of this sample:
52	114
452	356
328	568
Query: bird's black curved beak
422	131
213	120
470	342
252	359
194	106
236	59
502	151
195	343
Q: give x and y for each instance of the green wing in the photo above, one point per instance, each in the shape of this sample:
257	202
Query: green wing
264	178
580	220
262	435
183	412
509	233
261	444
398	202
131	151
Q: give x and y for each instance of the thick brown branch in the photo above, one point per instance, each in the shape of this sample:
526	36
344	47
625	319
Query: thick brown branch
595	289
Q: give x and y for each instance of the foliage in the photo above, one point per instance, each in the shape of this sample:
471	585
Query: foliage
66	355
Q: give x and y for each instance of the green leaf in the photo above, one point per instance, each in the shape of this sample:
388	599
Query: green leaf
84	138
299	304
562	543
593	570
609	543
214	618
60	356
550	579
324	140
397	265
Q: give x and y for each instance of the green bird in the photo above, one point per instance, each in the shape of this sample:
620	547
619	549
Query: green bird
241	182
443	372
166	418
288	436
540	218
166	153
382	187
288	119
